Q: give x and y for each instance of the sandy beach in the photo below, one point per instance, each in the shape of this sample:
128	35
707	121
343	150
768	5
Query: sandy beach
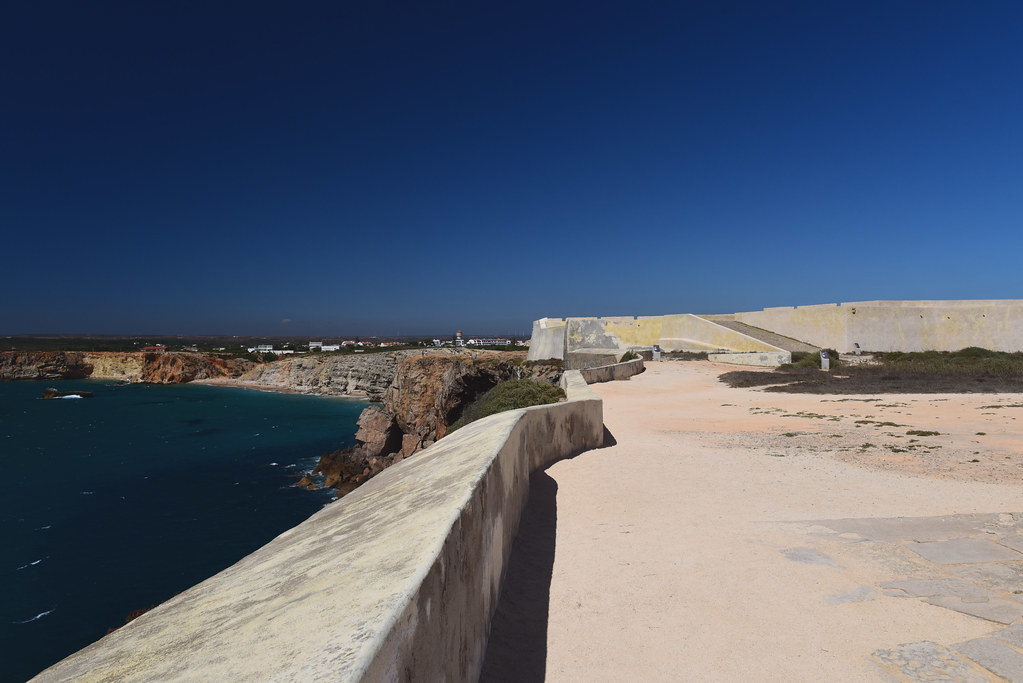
734	534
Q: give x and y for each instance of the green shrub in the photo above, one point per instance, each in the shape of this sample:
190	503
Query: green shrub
971	360
509	395
627	356
812	359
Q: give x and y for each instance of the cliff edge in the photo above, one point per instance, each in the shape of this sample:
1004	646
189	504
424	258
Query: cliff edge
425	396
169	367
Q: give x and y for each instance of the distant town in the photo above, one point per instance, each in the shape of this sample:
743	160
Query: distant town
356	346
259	346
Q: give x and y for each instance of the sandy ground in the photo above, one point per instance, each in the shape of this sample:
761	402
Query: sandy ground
686	551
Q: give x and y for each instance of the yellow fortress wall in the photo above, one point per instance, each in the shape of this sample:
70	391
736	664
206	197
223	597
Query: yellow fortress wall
587	342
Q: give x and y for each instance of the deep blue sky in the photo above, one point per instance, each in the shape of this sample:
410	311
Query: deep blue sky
385	168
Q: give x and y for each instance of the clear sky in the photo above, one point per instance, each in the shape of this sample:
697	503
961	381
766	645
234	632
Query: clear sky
332	168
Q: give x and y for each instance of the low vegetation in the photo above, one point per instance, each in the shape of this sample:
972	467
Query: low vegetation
969	370
509	395
684	355
812	360
627	356
969	361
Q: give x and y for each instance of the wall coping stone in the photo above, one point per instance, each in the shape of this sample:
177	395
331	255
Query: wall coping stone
397	580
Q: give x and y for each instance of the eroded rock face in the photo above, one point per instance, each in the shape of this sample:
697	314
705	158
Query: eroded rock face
366	375
378	432
175	368
161	368
426	395
15	365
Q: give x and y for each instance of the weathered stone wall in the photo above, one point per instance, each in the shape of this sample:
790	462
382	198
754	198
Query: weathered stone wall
548	340
766	359
396	581
590	342
693	333
899	325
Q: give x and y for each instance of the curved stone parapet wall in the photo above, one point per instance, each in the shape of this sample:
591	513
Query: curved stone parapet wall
615	372
397	581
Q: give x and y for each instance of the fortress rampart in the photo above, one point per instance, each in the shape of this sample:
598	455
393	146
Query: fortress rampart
768	336
899	325
399	580
585	342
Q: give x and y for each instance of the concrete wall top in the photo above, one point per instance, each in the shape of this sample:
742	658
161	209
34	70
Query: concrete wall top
401	575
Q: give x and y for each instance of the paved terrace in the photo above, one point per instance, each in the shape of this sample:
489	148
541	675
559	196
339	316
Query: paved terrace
734	534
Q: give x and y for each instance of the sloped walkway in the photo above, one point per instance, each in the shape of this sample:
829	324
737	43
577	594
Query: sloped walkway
781	341
723	538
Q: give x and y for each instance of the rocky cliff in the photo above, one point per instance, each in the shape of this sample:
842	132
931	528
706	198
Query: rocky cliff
115	365
16	365
174	367
426	395
366	375
161	368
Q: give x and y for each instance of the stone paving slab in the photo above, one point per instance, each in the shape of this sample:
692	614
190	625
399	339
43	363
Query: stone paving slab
1014	542
919	529
1013	635
998	610
810	556
995	656
1006	577
927	661
964	550
860	594
930	588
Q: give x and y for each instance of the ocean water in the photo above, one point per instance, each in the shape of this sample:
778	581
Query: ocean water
116	503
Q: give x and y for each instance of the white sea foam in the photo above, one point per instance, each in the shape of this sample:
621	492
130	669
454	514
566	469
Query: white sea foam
30	564
38	616
273	464
40	528
71	396
87	493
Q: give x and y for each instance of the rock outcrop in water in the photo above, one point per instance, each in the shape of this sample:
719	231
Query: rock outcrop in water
426	395
56	393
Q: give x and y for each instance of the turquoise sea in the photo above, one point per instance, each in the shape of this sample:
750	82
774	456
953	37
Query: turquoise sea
116	503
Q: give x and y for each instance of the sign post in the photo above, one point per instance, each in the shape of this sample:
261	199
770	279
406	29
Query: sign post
825	361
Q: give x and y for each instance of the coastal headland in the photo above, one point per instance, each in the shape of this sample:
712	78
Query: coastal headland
738	512
416	395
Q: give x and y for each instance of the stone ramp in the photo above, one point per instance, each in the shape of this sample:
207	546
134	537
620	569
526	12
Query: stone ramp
782	342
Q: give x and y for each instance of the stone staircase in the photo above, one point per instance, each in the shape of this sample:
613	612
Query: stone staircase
782	342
